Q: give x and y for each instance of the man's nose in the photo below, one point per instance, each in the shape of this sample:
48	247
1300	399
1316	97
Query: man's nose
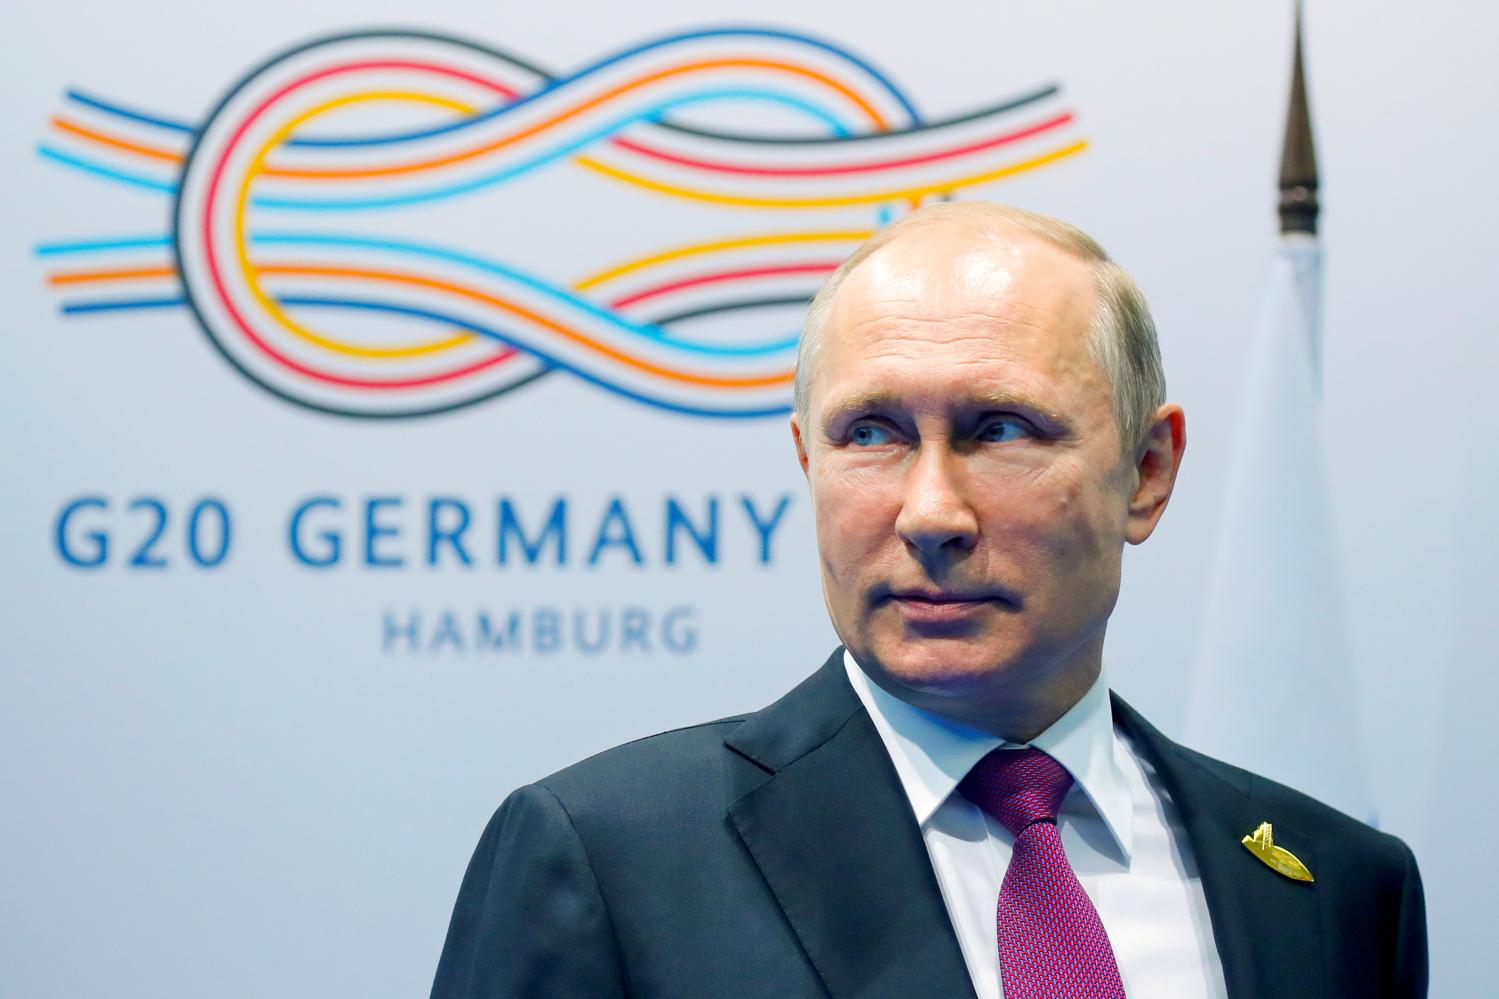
935	515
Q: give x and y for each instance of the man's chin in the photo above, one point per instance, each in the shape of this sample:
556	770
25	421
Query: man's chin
943	670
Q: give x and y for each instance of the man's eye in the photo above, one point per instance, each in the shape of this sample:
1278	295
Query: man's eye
1004	429
869	435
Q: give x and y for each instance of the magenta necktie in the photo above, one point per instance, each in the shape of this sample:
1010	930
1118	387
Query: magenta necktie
1052	944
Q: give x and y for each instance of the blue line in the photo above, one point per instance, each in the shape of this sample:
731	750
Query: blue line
539	354
436	194
98	104
648	331
729	32
555	84
561	82
511	172
118	304
109	173
826	117
96	245
651	332
114	305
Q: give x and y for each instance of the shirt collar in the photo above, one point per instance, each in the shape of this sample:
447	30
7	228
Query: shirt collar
932	753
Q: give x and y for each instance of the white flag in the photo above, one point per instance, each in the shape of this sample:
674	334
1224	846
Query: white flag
1274	690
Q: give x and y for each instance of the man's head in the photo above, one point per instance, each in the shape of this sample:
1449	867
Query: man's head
979	413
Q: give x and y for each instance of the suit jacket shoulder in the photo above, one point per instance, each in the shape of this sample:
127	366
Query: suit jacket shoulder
638	840
642	780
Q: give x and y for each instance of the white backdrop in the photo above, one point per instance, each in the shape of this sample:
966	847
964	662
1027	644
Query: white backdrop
265	777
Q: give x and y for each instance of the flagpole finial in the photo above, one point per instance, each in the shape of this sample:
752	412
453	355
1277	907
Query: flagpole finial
1298	160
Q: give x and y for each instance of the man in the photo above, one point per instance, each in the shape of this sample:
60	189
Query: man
953	805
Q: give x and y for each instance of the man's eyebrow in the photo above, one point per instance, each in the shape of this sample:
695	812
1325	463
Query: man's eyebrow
876	401
864	402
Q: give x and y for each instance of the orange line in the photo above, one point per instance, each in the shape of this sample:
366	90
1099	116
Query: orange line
459	157
125	274
756	381
155	152
136	274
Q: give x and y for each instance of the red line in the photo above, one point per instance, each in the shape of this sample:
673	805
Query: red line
717	276
847	168
504	90
1065	118
245	328
213	265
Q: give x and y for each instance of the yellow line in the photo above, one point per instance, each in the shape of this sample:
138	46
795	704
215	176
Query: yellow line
676	253
594	101
869	197
257	168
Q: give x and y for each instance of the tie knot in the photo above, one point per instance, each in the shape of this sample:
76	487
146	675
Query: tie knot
1017	787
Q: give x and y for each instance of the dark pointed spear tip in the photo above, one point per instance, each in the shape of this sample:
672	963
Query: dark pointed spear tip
1298	160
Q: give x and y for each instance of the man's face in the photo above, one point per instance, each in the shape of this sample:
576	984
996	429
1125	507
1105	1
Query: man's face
971	494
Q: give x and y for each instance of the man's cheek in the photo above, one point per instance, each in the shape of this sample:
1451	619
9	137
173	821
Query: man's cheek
1029	537
848	538
1055	526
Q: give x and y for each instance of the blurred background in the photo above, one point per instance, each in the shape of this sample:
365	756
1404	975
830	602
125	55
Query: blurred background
394	404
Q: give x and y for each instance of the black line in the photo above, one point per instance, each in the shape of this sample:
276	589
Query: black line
1009	104
744	303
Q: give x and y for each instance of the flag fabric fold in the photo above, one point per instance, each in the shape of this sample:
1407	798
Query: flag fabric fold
1274	688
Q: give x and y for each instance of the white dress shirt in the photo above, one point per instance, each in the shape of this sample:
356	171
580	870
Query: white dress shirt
1118	826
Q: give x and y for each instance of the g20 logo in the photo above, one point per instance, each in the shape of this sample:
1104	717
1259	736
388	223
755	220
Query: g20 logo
319	224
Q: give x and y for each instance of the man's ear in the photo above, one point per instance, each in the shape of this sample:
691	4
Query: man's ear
801	444
1155	471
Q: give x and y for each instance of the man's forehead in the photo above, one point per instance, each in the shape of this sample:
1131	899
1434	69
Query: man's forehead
956	271
959	369
919	268
964	320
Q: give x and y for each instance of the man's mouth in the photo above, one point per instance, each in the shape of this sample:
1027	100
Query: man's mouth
939	606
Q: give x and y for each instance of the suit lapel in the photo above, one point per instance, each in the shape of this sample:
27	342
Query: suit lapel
833	834
1265	925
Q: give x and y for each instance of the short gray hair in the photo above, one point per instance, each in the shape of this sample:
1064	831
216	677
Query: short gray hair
1121	336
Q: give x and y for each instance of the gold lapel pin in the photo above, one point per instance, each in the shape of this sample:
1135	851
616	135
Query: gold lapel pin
1277	858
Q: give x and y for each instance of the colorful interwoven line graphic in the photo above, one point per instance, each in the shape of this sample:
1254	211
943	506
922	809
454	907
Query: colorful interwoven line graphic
317	212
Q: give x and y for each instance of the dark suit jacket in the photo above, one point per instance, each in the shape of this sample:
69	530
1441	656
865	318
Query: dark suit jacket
776	855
